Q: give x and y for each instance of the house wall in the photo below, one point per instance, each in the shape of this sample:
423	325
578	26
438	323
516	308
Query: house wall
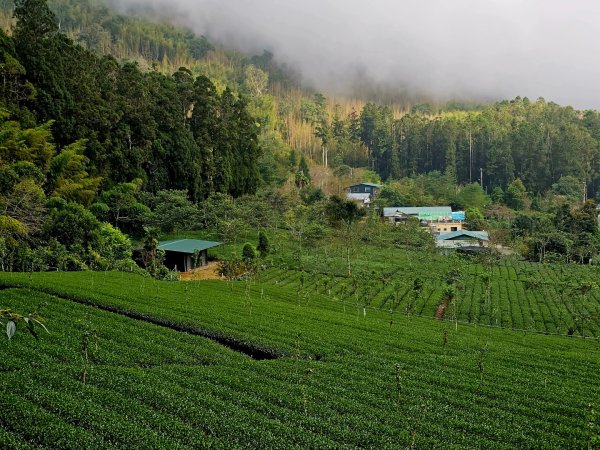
445	227
455	243
362	189
435	227
399	220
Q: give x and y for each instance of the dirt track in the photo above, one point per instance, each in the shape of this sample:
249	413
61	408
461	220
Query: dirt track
208	272
441	309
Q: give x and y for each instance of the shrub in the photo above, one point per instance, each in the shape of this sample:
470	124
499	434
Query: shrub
248	252
113	244
232	268
263	244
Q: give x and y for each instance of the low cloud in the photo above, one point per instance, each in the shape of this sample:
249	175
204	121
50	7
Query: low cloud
469	49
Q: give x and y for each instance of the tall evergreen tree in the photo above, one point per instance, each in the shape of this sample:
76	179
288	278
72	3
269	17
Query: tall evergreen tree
35	22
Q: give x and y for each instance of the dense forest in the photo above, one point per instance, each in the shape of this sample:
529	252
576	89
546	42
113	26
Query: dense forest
538	142
151	127
330	327
84	131
171	132
97	27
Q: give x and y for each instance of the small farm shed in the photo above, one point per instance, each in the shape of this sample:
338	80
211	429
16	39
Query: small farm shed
186	254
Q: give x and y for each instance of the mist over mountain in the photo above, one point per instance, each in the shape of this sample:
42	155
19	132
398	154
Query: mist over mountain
464	48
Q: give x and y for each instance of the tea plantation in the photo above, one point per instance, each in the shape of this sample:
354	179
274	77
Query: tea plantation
286	361
515	295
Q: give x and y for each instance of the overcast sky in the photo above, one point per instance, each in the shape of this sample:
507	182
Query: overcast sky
480	49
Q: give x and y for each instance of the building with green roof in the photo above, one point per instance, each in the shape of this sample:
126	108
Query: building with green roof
184	255
429	213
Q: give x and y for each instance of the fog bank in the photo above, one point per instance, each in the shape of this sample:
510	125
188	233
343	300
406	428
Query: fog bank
471	49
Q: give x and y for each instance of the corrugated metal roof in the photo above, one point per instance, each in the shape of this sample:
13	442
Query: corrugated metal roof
188	246
479	235
423	212
366	184
458	215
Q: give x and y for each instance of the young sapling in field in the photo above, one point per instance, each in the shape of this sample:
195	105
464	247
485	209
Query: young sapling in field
12	319
454	307
398	383
89	345
417	288
305	385
480	361
593	429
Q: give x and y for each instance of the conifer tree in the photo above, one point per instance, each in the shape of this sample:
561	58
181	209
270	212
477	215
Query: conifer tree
35	21
304	168
263	244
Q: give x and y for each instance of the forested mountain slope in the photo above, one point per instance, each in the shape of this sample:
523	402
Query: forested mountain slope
169	131
90	138
536	141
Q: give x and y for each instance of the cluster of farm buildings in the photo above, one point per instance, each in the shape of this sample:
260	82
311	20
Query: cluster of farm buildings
445	224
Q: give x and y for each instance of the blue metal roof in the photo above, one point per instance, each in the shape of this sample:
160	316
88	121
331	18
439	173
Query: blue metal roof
189	246
479	235
458	215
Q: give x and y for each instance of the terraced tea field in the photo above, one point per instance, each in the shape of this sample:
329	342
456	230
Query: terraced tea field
550	299
264	364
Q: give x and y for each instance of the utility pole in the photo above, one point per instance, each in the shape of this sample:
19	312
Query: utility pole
470	156
481	176
584	192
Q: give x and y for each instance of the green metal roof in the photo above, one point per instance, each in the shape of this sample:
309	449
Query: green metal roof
422	212
189	246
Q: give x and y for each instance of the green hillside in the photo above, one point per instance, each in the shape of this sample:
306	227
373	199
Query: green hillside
340	330
534	140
